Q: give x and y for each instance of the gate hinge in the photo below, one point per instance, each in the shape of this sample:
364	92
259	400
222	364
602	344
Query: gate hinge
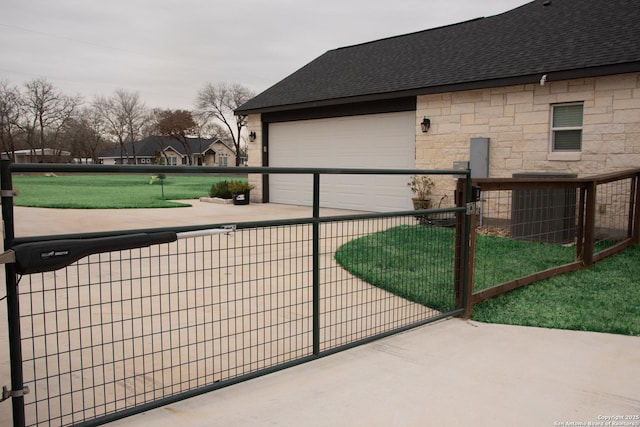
471	208
8	257
6	394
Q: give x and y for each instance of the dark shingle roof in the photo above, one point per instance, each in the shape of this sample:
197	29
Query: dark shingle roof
571	38
148	146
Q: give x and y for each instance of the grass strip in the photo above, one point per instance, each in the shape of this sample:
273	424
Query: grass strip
602	298
112	191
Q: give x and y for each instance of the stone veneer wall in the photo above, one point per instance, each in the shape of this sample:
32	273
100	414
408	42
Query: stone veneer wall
517	120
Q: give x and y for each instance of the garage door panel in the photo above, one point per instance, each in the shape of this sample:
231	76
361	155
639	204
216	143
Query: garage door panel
291	189
343	191
370	141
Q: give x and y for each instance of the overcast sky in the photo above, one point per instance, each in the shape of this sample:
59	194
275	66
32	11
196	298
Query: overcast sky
168	49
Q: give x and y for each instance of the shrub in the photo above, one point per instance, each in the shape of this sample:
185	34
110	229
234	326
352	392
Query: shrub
239	187
221	190
422	186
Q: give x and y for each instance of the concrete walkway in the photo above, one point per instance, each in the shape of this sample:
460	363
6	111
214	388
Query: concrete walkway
451	373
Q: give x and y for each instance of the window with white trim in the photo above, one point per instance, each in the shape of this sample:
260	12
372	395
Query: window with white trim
566	127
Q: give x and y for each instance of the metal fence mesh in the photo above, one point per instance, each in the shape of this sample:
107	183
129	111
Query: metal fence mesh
352	309
122	329
612	221
521	232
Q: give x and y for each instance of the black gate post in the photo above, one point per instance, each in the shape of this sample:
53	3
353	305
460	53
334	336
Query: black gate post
13	309
316	264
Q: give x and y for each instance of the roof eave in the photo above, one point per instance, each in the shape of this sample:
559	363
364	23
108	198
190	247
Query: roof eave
603	70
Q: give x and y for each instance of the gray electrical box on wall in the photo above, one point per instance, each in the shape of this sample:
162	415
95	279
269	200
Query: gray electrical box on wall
479	157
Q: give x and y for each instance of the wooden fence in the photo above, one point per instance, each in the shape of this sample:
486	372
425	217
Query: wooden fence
598	216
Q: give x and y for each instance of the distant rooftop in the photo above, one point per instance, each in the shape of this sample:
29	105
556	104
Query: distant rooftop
149	146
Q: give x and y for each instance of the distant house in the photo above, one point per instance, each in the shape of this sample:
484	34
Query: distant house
169	151
551	86
39	155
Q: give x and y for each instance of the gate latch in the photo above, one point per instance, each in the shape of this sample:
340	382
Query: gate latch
471	208
6	394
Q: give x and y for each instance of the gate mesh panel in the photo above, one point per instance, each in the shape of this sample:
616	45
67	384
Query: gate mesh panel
117	330
120	329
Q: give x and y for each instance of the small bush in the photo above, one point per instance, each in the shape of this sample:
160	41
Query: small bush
239	187
221	190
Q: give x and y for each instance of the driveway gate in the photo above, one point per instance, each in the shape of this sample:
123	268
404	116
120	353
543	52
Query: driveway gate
105	325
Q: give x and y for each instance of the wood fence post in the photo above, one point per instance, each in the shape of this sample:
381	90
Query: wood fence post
589	224
635	238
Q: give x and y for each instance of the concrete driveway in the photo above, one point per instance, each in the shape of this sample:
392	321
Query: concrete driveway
451	373
39	222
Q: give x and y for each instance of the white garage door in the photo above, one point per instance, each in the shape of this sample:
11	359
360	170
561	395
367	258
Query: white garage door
368	141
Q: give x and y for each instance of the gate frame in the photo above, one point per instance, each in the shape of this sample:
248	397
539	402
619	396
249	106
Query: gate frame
18	389
461	271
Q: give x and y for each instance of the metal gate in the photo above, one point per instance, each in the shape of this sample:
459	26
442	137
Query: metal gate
105	325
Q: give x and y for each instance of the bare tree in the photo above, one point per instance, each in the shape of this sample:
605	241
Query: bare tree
134	112
178	124
208	129
114	127
150	123
85	134
217	102
46	111
10	109
124	114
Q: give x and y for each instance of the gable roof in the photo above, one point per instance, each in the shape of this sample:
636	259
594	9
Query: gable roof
560	38
148	146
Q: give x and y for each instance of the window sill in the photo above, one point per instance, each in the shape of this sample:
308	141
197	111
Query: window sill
565	157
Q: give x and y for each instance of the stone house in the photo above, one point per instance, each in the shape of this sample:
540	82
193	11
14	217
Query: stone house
552	86
169	151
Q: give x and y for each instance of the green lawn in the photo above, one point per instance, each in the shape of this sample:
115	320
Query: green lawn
416	262
110	191
603	298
